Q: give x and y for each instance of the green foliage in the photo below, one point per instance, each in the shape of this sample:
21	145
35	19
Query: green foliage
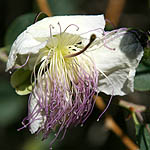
142	79
37	144
5	49
64	7
142	82
146	57
143	137
20	80
11	104
18	26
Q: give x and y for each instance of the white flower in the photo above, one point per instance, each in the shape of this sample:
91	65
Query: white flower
69	66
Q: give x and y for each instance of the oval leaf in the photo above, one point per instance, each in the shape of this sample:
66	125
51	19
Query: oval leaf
142	82
20	80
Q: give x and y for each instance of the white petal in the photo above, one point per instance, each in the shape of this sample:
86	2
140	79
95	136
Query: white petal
36	124
24	44
119	65
27	42
86	23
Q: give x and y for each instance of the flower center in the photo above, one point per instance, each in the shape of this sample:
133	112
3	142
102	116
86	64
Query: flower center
64	84
54	61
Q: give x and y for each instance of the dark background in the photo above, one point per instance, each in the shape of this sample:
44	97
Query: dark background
135	14
93	135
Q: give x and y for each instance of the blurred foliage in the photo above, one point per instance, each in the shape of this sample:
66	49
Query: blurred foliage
37	144
5	48
146	58
142	79
9	101
18	26
143	137
14	107
69	7
20	80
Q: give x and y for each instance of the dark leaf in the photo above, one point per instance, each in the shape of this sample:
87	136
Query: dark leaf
143	137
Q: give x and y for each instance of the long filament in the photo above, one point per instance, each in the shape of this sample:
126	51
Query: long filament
110	97
18	66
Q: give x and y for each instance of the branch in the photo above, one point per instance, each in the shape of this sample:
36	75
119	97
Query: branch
44	7
114	10
111	125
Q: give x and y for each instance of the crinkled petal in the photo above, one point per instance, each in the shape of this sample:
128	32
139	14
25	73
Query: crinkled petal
28	41
24	44
37	119
120	64
86	23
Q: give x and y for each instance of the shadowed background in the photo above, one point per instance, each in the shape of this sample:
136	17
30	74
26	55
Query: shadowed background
13	108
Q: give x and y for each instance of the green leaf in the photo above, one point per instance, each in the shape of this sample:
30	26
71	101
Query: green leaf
146	57
143	137
20	80
24	89
18	26
142	79
142	82
143	68
11	105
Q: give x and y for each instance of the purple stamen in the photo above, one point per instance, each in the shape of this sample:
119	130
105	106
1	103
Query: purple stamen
53	104
70	26
64	90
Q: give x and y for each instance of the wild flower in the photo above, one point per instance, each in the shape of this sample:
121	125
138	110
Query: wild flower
66	60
